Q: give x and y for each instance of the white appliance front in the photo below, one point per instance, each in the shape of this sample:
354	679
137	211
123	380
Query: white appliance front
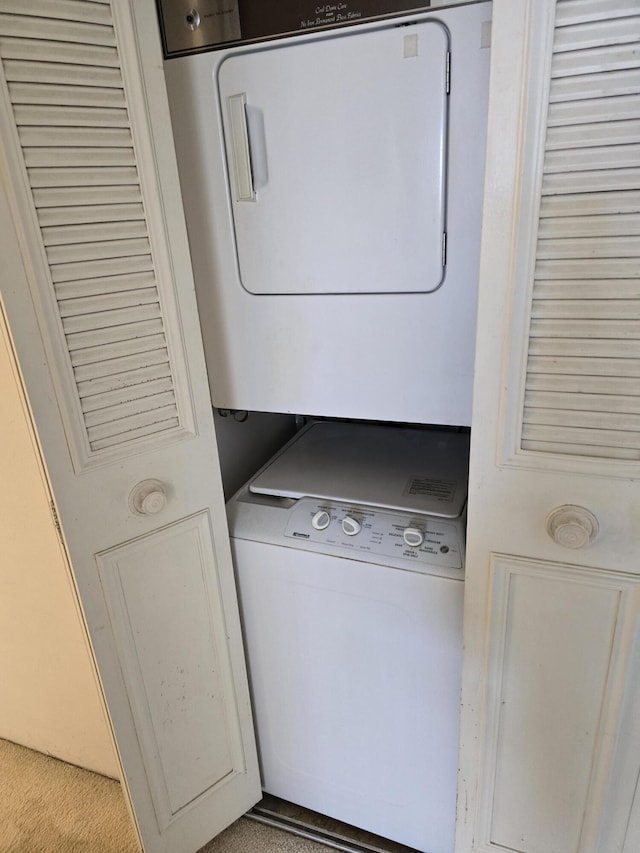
351	599
355	675
332	184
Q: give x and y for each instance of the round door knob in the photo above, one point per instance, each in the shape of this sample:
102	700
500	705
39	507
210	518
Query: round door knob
572	526
148	497
321	520
351	526
413	537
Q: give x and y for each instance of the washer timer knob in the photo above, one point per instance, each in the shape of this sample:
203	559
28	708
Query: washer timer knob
413	537
321	520
351	526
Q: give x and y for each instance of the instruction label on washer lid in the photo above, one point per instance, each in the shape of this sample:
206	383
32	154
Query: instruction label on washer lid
443	491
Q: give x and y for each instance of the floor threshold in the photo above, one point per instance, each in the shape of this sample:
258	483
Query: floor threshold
310	832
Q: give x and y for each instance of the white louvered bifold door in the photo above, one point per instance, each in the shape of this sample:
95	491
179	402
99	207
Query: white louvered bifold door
583	374
97	289
550	731
104	279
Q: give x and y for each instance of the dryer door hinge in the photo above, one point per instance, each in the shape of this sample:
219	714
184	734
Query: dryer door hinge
56	520
444	248
448	72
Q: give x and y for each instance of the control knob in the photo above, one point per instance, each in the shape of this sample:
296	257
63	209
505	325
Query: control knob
413	537
351	526
321	520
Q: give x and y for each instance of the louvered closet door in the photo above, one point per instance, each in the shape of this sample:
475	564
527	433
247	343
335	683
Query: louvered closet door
97	289
66	90
550	754
583	368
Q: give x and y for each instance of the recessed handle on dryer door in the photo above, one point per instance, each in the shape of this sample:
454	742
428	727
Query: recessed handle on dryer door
240	148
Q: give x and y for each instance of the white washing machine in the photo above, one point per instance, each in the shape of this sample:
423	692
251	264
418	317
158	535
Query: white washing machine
349	553
331	160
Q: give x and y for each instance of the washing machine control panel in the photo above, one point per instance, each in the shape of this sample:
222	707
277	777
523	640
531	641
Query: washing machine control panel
418	541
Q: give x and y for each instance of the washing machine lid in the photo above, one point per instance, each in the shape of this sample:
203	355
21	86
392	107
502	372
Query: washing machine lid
413	470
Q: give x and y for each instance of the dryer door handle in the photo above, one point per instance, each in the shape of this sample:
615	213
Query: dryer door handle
240	147
249	147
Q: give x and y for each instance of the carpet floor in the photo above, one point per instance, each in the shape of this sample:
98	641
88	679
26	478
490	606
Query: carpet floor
49	806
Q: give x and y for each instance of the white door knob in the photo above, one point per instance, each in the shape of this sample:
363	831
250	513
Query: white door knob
572	526
147	497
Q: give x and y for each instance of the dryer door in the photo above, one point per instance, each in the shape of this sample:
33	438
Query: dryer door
336	154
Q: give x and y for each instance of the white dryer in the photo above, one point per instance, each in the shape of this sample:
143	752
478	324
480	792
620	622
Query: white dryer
349	552
331	160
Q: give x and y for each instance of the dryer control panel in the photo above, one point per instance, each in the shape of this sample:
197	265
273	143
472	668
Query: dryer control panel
370	533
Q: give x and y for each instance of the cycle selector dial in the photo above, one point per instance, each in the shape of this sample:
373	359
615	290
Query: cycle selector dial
321	520
351	526
413	537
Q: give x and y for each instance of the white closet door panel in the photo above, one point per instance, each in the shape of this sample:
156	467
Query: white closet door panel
547	745
550	748
152	632
100	300
592	156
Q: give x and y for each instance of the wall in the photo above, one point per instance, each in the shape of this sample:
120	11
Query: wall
50	698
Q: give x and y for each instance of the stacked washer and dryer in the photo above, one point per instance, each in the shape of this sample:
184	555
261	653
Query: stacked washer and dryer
331	160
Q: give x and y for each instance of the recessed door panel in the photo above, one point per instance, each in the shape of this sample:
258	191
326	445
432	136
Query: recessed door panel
336	156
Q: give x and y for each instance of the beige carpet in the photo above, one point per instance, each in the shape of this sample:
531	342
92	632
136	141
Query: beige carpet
48	806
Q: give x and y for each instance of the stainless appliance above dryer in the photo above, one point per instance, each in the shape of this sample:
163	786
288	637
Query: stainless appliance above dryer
332	183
